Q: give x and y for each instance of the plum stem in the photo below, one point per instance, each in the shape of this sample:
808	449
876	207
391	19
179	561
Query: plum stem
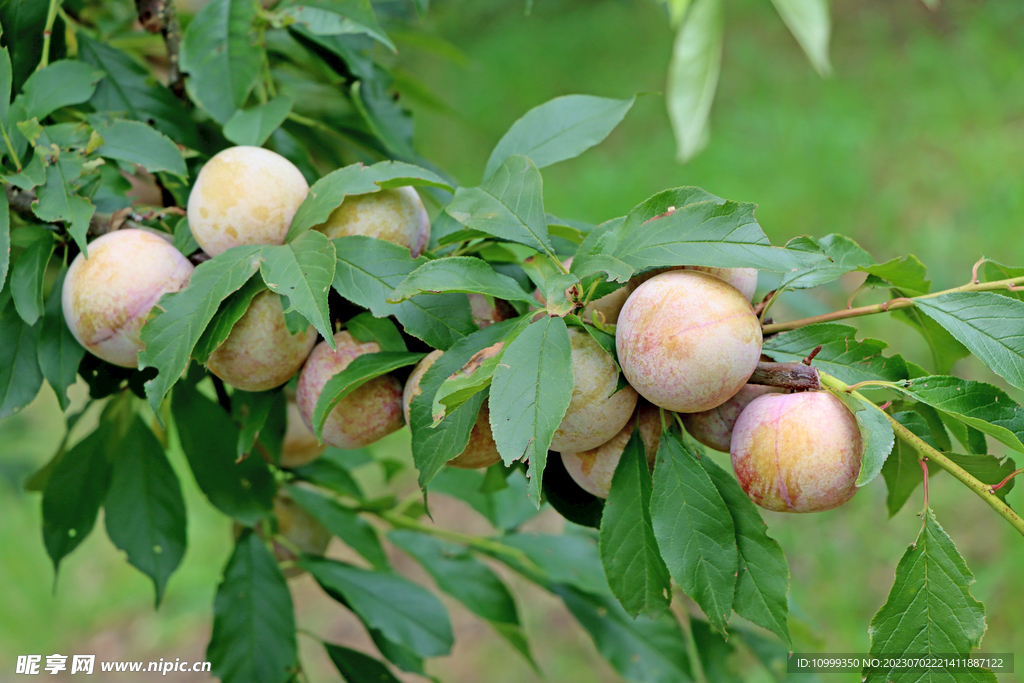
1011	284
924	470
786	375
974	270
1006	481
925	451
51	16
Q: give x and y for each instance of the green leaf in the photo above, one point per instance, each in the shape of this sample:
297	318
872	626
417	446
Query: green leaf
841	355
694	529
509	205
20	376
57	200
241	489
331	471
338	17
876	431
701	230
386	118
60	84
251	410
904	274
467	381
433	446
253	638
969	437
403	612
254	125
469	581
567	497
693	76
230	312
559	129
976	404
329	192
566	560
5	225
138	143
128	89
902	470
459	274
506	509
75	491
352	529
844	256
179	319
808	21
929	609
144	511
366	328
356	667
763	582
636	573
988	469
25	20
27	277
361	370
303	270
530	392
641	649
183	238
945	349
59	353
988	324
366	274
220	54
993	270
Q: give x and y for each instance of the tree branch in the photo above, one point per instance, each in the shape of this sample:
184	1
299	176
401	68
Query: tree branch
786	375
158	16
100	223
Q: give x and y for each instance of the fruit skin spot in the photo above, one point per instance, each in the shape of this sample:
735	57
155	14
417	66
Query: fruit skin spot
244	195
797	452
687	341
107	297
396	215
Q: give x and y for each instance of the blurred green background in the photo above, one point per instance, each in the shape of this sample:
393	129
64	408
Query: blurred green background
915	145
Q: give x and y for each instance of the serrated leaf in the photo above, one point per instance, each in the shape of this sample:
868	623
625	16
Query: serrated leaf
636	573
508	205
905	274
844	256
969	437
433	446
762	585
878	438
220	54
902	470
530	392
27	277
254	125
945	349
993	270
144	511
469	581
366	328
356	667
228	313
179	319
20	376
128	89
459	274
991	326
352	529
809	22
693	75
841	355
57	200
361	370
988	469
559	129
701	230
467	381
138	143
60	84
241	489
694	529
253	638
5	228
59	353
641	649
982	406
338	17
929	609
75	491
403	612
329	192
366	274
303	270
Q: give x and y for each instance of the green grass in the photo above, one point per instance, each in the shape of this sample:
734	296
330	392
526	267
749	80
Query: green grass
914	146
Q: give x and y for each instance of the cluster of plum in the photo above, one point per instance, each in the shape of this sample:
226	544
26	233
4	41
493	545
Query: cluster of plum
687	341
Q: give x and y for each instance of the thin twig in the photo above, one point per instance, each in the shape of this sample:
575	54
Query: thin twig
1006	481
159	16
51	16
21	202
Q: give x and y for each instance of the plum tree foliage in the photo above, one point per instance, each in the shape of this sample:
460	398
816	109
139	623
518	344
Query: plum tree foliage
259	271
